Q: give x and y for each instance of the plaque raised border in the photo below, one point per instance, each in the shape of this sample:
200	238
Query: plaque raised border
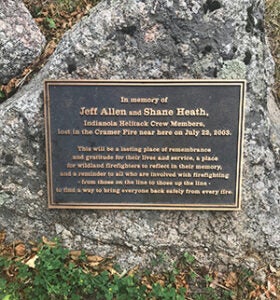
72	100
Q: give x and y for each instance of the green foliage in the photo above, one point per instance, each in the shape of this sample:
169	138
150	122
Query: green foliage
245	284
212	294
52	278
2	95
50	22
3	283
71	5
68	5
188	258
208	278
127	287
167	293
160	259
193	275
55	276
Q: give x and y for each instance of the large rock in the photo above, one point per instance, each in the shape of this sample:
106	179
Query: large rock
152	39
20	39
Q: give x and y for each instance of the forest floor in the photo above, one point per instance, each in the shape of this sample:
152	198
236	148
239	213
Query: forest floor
46	270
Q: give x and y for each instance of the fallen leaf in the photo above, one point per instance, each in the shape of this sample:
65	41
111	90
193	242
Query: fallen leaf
277	274
20	249
111	270
271	288
181	281
272	269
92	258
145	281
10	86
39	20
31	262
94	264
75	254
231	280
254	294
47	242
214	283
161	282
52	8
49	49
2	236
133	271
11	271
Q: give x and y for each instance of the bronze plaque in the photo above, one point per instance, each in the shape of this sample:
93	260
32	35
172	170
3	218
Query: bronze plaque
172	145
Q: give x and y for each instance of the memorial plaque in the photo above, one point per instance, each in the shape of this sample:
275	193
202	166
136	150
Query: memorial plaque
144	144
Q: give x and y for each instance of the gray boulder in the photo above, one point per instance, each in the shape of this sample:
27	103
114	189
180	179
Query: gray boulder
20	39
153	39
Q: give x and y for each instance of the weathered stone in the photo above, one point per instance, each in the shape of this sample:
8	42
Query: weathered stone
152	39
20	39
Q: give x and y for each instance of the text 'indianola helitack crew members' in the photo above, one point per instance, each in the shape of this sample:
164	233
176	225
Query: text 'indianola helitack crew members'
130	123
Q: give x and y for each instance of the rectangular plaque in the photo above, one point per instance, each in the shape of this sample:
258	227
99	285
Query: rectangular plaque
172	145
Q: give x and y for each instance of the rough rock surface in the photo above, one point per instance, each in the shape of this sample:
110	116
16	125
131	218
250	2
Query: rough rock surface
20	39
152	39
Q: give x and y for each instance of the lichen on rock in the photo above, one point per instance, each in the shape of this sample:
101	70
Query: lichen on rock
233	69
